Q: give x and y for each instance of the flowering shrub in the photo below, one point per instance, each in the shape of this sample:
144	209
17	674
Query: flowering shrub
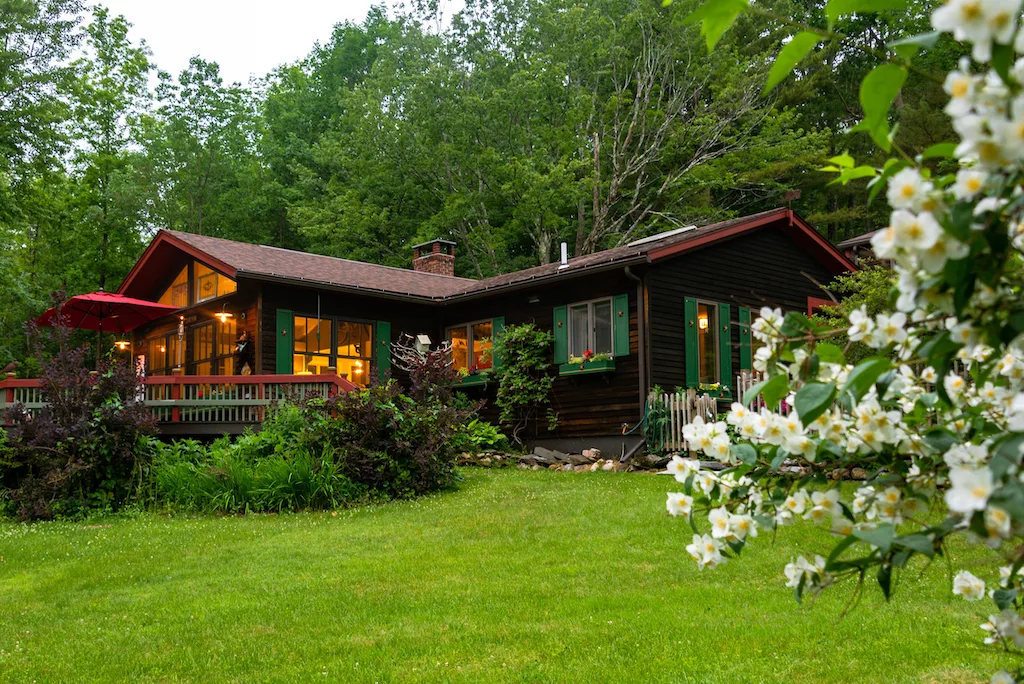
936	412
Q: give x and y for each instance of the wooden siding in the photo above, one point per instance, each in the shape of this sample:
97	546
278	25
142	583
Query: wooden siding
764	268
589	405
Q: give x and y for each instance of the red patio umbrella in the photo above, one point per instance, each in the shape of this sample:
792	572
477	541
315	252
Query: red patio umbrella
106	312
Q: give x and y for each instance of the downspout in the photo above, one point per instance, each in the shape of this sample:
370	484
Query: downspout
641	336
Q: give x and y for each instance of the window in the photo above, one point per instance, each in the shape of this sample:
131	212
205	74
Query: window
213	348
707	342
590	328
162	354
177	293
210	284
472	346
320	343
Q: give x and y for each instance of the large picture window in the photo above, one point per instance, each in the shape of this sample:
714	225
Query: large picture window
203	284
472	346
707	342
590	327
320	343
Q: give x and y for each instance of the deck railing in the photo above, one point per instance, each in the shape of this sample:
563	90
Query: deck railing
200	399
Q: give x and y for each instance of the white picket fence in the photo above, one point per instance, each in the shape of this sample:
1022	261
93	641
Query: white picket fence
668	412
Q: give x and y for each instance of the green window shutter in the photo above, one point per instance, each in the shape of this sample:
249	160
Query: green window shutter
746	362
383	349
285	336
497	328
725	346
690	342
620	325
561	331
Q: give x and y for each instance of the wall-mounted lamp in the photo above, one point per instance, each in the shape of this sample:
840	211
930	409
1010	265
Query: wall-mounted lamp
223	315
702	321
121	345
533	300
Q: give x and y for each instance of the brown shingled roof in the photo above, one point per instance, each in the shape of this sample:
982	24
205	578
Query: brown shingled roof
274	263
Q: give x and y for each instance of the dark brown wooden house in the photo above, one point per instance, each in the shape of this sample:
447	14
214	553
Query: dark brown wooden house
671	310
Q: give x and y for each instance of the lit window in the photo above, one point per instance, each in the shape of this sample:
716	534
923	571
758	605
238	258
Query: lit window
320	343
210	284
177	294
213	348
472	346
590	328
707	342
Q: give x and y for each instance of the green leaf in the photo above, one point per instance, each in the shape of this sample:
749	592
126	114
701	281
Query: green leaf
885	580
908	47
1002	60
961	217
777	461
1004	598
813	399
846	543
843	160
716	16
753	392
863	376
878	91
791	54
855	174
774	390
939	150
940	440
880	537
838	8
745	453
829	353
921	543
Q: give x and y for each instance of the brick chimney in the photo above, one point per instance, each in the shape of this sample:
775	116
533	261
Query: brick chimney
436	256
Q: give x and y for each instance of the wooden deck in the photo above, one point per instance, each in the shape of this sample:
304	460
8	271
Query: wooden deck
197	405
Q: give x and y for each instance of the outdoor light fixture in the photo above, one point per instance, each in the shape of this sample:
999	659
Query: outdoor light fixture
223	315
122	344
702	321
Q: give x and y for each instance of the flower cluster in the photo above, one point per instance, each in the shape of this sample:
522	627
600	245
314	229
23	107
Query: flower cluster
936	417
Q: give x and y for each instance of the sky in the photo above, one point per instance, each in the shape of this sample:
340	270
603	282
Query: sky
245	37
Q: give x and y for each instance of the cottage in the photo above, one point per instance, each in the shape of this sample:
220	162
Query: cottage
673	310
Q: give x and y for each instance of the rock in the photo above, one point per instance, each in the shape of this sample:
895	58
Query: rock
567	467
858	474
618	466
608	465
549	455
581	468
594	466
592	454
522	466
554	466
579	459
536	466
485	461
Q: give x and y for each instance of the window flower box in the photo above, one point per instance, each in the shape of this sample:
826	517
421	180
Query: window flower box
581	367
474	380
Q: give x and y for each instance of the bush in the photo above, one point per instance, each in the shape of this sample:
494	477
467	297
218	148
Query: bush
524	377
479	435
374	442
83	452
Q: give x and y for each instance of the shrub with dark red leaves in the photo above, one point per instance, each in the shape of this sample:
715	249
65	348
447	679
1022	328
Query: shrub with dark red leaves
83	450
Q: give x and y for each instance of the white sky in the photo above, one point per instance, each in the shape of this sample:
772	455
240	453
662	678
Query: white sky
245	37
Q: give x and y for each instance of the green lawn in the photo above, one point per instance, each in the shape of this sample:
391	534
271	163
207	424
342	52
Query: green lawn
518	576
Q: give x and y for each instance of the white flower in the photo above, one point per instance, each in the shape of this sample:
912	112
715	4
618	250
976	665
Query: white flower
889	329
970	489
915	233
980	22
908	190
682	468
719	519
960	87
679	504
861	325
706	550
742	526
967	585
997	522
969	183
812	575
796	503
842	526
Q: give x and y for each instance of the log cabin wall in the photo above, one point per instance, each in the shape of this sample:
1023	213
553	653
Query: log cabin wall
763	268
590	405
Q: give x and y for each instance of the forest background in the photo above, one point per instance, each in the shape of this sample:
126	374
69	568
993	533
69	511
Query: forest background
514	126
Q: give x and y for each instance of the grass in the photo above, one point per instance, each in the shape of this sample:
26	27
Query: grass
518	576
